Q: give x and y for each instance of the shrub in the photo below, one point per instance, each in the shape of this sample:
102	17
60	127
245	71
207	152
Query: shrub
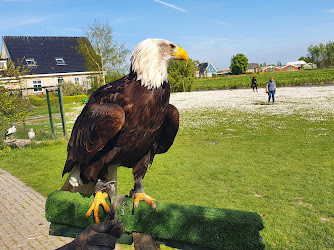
179	84
70	89
4	149
13	108
38	101
181	75
76	98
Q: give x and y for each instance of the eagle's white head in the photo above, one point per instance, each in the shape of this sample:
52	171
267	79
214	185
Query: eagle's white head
151	58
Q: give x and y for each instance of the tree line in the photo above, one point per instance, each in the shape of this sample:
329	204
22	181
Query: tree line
322	55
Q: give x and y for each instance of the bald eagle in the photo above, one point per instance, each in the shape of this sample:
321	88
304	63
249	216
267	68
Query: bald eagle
125	123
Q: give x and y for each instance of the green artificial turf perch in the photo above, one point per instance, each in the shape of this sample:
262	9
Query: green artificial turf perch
202	226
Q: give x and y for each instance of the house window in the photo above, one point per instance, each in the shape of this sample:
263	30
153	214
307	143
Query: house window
37	85
290	68
60	79
271	69
76	80
60	61
30	62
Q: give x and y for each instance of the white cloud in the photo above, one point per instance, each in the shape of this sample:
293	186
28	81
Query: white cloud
10	23
331	11
31	20
123	19
170	5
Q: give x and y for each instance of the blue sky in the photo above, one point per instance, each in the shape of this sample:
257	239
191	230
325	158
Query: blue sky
210	30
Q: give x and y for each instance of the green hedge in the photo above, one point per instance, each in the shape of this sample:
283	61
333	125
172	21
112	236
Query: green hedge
39	101
202	226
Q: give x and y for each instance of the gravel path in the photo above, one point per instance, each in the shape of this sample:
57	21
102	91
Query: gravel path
308	99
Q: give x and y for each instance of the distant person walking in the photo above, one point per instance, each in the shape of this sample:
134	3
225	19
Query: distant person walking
254	84
271	89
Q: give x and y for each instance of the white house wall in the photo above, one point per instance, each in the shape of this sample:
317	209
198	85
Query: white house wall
50	81
4	51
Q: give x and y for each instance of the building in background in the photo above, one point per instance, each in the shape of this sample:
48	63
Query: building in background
206	70
226	71
52	60
253	68
290	66
298	64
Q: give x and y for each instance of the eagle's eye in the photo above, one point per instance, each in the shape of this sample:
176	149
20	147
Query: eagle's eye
171	46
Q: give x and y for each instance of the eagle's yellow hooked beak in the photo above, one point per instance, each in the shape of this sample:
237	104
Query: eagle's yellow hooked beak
181	54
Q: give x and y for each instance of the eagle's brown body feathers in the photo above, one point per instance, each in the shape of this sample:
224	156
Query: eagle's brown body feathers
125	124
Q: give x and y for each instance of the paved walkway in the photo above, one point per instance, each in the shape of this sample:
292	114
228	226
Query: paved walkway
22	217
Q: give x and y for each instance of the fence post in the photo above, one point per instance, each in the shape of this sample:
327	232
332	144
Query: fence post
62	110
50	115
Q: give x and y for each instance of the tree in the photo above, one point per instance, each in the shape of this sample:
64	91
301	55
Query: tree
15	72
182	75
14	107
305	59
102	53
329	53
239	64
314	54
322	55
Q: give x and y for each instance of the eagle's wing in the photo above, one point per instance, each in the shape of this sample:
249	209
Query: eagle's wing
97	125
169	129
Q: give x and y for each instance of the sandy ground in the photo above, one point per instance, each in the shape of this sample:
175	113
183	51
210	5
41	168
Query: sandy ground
288	100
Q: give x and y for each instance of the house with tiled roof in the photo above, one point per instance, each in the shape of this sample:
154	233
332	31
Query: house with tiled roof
272	68
52	60
253	68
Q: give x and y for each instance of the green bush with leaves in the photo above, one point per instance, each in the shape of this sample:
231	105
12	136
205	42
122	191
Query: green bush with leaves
70	89
181	75
13	108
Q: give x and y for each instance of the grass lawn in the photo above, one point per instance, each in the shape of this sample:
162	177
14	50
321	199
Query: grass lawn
280	166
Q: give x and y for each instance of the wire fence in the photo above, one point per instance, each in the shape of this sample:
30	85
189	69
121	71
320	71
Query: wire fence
46	114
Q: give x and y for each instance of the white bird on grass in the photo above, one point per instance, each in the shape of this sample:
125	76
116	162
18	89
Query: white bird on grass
31	134
10	131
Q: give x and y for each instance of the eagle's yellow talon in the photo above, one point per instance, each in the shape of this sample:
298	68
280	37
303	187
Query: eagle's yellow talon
143	197
99	199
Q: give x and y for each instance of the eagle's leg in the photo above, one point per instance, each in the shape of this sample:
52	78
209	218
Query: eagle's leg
139	195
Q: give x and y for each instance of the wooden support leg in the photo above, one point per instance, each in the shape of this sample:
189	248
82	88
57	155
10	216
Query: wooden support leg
144	242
